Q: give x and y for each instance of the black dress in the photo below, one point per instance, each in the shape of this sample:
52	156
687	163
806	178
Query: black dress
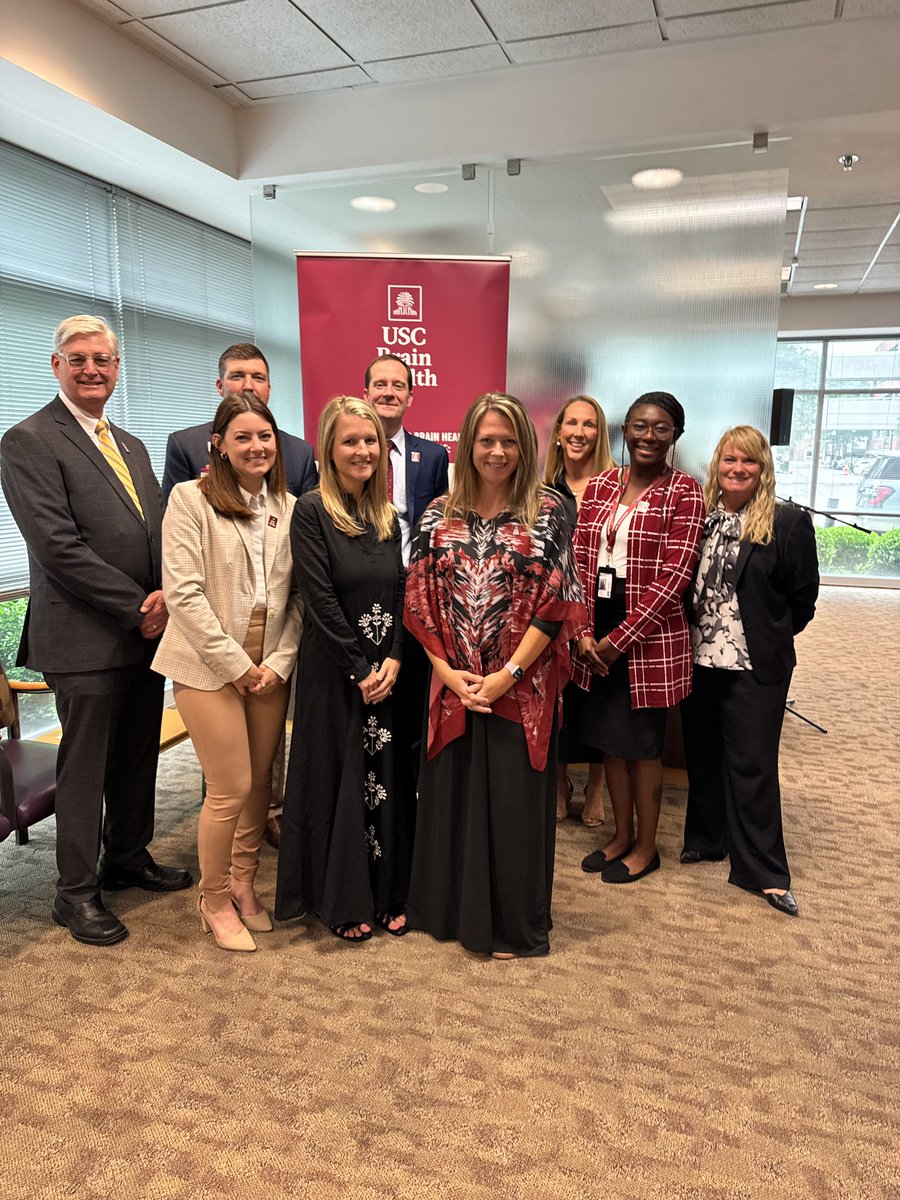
347	826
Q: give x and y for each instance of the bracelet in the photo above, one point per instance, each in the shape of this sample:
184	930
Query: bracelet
514	670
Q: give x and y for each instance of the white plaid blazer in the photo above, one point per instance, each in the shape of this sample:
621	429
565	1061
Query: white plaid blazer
210	587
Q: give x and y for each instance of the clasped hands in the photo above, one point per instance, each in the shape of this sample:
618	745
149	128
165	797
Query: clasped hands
379	684
478	692
155	616
257	681
600	655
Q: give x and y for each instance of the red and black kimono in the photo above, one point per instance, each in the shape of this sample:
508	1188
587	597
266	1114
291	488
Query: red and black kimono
486	824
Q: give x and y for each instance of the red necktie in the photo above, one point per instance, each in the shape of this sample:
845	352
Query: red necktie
391	447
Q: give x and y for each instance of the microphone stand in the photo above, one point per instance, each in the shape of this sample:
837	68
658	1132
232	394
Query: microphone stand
790	704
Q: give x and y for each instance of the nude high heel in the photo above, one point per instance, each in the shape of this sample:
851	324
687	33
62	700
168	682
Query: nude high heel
238	941
260	922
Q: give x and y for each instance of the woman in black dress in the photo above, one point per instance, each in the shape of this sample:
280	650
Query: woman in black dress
578	450
755	588
494	597
347	826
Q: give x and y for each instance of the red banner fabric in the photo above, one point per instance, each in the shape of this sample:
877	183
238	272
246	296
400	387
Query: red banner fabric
446	318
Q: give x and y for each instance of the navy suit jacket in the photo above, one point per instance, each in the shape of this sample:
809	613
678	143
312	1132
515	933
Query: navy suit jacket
93	559
187	453
427	475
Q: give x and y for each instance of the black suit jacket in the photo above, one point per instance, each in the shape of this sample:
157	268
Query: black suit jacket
427	475
187	453
777	587
92	559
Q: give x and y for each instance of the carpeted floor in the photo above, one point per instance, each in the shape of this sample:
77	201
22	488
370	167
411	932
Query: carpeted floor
683	1041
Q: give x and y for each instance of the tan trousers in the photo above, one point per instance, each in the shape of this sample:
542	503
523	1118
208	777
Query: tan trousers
235	738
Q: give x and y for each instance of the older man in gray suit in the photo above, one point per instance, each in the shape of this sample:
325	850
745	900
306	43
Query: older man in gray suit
85	498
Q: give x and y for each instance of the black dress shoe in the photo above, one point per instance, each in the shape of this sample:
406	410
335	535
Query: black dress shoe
694	856
786	903
617	872
597	861
151	877
89	921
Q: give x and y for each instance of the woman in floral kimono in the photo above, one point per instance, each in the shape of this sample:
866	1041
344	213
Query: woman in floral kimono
347	826
493	596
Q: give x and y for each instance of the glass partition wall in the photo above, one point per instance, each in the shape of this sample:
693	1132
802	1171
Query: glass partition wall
616	289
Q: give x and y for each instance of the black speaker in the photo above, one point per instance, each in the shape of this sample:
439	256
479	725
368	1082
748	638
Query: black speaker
782	414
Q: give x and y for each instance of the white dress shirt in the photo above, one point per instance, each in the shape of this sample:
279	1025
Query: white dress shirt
257	505
398	463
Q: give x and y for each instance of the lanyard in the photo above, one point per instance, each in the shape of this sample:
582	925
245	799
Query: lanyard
612	529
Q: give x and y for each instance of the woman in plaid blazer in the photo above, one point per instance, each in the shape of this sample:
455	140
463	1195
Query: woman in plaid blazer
635	545
230	647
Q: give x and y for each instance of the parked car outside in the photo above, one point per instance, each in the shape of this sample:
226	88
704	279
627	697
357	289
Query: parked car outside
880	489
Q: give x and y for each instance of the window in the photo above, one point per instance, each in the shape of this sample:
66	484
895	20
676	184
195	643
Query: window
844	456
177	293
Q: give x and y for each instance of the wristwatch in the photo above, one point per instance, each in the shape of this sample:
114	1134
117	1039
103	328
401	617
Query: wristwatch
515	671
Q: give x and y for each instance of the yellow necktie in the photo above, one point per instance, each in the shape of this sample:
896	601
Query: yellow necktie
117	462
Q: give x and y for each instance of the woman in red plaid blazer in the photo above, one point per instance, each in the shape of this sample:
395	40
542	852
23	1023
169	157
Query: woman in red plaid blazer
636	545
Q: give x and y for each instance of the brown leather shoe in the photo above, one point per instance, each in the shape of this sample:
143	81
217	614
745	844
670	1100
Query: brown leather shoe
273	831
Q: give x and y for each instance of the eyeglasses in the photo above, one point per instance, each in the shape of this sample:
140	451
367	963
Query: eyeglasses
77	361
641	427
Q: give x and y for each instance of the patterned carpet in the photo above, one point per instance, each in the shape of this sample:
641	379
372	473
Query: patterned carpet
683	1040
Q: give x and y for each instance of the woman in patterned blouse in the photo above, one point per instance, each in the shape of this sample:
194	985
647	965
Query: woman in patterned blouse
755	588
636	546
493	596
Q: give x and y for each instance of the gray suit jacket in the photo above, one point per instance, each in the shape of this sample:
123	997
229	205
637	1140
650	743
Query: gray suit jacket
93	560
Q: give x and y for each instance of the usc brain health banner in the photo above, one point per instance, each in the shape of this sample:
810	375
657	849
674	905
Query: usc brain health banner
446	317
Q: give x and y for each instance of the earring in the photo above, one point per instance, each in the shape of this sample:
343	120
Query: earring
558	442
223	456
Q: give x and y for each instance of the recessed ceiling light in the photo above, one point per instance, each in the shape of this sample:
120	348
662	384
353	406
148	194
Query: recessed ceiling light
374	204
825	287
431	189
657	177
794	203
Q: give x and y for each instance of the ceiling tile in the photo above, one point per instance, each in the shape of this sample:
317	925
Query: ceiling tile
521	19
836	257
159	45
391	27
749	20
153	8
314	81
829	274
582	45
686	8
106	9
870	217
883	279
234	96
871	8
438	66
818	239
227	39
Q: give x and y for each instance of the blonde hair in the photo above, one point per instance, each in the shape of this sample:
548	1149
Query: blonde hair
759	520
220	485
555	462
373	507
523	496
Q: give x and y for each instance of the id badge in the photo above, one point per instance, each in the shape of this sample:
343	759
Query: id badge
606	578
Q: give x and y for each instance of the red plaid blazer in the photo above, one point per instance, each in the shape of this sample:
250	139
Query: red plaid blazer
662	549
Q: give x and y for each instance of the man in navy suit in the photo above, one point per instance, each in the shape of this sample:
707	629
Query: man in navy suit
84	496
419	467
242	367
419	473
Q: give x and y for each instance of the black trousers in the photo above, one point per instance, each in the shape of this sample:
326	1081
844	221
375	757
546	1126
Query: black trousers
109	749
732	730
411	699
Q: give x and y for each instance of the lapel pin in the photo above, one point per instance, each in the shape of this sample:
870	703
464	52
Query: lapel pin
415	456
273	521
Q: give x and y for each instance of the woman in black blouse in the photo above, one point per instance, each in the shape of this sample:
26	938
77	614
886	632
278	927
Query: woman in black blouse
755	588
347	826
578	450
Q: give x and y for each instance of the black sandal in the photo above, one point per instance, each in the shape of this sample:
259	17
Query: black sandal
343	932
384	920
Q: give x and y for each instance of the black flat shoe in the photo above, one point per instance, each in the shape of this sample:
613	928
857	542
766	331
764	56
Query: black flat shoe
617	872
694	856
597	861
89	922
786	903
151	877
